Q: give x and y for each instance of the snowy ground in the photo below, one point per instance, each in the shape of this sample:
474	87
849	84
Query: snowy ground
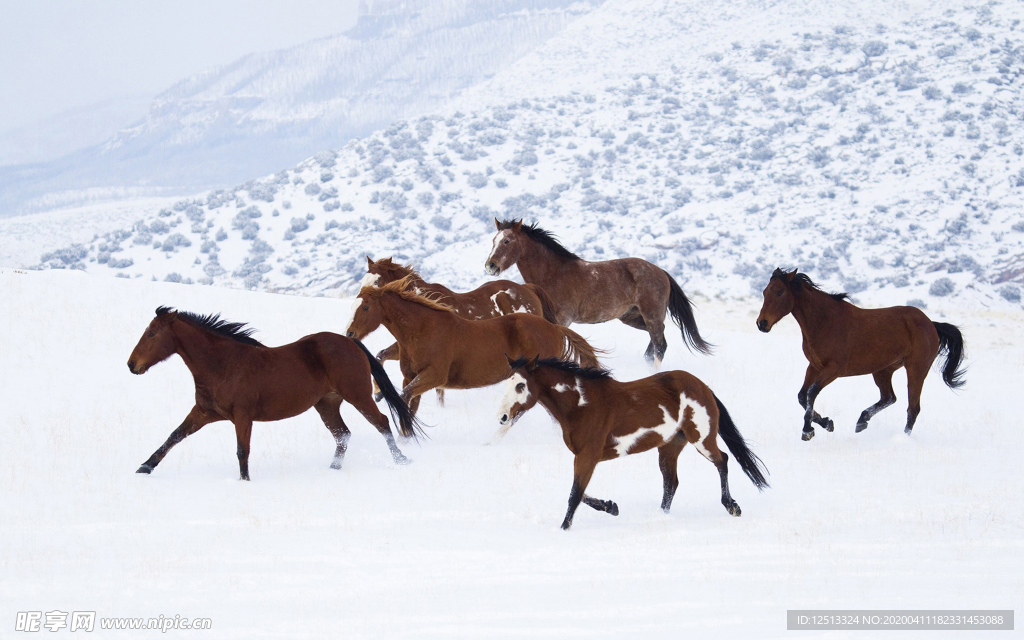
465	542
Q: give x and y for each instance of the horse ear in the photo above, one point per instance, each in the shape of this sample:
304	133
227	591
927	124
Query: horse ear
534	364
517	225
497	224
511	361
369	261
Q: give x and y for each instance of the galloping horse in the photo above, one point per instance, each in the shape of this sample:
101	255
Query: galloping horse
603	419
841	340
630	289
441	350
239	379
497	298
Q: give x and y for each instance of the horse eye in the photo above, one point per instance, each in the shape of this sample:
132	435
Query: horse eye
520	387
778	294
366	307
151	334
506	242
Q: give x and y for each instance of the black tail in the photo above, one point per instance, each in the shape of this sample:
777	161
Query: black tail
408	425
750	463
547	305
951	344
682	312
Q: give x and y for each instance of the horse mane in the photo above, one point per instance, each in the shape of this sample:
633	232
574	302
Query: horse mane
237	331
567	366
541	236
800	280
404	289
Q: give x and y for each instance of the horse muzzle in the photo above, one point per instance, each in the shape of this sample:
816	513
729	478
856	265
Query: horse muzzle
491	269
763	326
134	369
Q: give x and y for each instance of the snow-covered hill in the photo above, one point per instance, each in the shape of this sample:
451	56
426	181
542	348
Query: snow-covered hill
884	159
268	110
464	542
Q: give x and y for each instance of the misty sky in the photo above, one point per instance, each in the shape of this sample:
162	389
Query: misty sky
58	55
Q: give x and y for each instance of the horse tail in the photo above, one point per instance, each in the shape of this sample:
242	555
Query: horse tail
408	425
749	462
682	313
578	349
951	344
547	305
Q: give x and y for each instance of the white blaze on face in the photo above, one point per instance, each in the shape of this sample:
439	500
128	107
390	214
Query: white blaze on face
498	238
369	280
513	396
355	307
670	426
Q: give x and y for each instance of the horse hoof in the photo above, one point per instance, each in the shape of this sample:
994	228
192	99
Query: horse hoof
613	508
566	525
336	464
377	397
861	426
734	510
807	435
829	426
400	459
908	430
146	469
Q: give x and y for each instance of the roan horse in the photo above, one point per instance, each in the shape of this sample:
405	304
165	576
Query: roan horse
241	380
630	289
441	350
841	340
603	419
497	298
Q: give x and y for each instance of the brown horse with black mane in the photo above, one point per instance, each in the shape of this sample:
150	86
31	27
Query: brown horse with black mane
439	349
841	340
497	298
239	379
603	419
629	289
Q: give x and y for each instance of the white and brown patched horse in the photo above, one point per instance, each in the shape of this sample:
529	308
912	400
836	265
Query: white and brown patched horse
603	419
629	289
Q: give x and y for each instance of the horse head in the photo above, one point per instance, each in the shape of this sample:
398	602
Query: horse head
366	315
521	391
778	300
156	343
507	247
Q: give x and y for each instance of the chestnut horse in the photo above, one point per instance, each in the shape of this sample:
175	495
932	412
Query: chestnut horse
841	340
497	298
630	289
241	380
439	349
603	419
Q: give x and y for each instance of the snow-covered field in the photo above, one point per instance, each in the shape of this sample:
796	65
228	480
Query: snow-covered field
464	542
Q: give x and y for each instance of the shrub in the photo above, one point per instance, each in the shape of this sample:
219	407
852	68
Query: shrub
1010	293
941	287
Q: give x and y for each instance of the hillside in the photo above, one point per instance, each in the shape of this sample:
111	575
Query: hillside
269	110
884	159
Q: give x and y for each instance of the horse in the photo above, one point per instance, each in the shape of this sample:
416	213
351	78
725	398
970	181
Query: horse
631	290
841	340
603	419
496	298
237	378
439	349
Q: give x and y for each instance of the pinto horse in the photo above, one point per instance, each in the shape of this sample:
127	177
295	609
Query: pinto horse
840	340
629	289
439	349
603	419
239	379
497	298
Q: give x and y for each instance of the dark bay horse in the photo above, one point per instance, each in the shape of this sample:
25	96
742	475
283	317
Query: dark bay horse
603	419
241	380
497	298
439	349
629	289
841	340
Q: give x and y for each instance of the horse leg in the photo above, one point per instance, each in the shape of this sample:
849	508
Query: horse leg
915	382
656	350
809	377
632	318
329	408
583	469
668	456
194	421
709	449
883	379
823	380
373	415
243	433
607	506
415	387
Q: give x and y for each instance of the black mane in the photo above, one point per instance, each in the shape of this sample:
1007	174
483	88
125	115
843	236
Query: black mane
803	280
590	373
237	331
546	238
